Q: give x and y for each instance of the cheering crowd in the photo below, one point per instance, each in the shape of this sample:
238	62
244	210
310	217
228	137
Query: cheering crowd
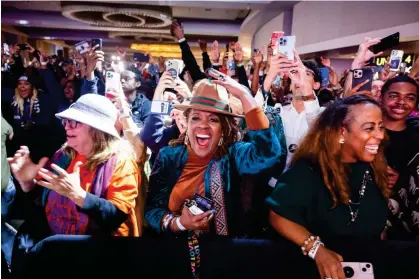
260	150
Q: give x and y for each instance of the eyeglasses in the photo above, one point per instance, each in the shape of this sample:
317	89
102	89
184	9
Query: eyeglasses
71	122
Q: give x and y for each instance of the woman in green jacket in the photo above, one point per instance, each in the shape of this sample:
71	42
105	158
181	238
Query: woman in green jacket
207	161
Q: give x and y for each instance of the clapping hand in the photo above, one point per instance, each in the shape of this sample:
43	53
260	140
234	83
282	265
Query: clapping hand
64	183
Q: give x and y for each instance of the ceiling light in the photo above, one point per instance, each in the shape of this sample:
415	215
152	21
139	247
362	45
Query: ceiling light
48	38
23	22
113	57
118	58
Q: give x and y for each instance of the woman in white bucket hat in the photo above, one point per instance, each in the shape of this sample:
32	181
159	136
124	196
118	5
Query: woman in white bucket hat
91	184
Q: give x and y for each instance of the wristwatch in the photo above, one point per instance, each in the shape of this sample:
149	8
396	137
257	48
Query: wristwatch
310	97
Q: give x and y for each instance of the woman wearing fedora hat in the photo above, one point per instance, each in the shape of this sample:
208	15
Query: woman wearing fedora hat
206	161
90	186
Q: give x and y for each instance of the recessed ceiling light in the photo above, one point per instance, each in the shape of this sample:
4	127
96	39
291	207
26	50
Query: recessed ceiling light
23	22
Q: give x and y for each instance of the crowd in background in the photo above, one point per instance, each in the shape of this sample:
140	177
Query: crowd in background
271	147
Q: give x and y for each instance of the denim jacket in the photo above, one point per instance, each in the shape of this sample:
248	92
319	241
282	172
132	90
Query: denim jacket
261	152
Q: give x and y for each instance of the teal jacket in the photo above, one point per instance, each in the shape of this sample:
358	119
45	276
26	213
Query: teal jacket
261	152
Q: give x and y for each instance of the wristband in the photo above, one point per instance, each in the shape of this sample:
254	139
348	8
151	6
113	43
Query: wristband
179	225
313	250
181	40
44	63
216	64
240	65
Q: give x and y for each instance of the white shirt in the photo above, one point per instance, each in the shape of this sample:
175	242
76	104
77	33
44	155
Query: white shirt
296	125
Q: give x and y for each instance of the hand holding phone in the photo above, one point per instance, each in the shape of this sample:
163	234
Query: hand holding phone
362	79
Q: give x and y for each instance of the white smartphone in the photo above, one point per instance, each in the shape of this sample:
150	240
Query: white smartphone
355	270
174	67
161	107
286	45
396	60
82	47
112	82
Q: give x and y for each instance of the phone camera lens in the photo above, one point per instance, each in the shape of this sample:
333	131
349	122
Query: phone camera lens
349	272
364	269
368	265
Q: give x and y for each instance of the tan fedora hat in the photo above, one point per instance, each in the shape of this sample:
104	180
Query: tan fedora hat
208	96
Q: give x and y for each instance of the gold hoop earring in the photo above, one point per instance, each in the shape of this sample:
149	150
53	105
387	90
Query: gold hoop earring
221	141
341	141
186	140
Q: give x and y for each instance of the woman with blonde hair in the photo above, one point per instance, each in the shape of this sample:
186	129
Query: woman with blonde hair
32	118
90	186
337	184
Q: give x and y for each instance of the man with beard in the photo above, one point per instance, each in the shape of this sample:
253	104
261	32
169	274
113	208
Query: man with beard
140	104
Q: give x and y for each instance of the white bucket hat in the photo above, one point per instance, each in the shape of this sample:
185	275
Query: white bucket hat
95	111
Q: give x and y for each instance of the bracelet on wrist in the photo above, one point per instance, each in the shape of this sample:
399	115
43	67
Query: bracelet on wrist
306	242
313	251
167	220
179	224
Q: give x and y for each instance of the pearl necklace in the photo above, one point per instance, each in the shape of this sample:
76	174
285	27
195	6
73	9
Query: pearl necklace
354	214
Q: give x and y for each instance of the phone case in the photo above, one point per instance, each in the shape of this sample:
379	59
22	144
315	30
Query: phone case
161	107
174	67
396	59
361	75
203	203
355	270
286	45
274	40
97	42
324	74
113	80
386	43
82	47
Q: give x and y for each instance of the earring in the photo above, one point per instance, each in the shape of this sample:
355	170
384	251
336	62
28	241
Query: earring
341	141
221	141
186	140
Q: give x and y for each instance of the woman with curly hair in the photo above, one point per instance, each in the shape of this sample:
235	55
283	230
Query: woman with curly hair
207	160
337	184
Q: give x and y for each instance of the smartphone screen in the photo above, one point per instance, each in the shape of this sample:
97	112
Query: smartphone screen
82	47
324	74
6	49
386	43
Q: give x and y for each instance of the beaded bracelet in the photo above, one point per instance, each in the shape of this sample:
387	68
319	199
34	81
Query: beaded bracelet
167	220
308	240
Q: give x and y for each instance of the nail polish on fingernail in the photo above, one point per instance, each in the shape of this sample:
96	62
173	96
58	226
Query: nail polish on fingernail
213	211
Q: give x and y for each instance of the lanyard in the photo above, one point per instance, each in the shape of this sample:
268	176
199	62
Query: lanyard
194	254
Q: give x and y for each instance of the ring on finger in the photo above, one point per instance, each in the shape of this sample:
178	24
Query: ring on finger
327	277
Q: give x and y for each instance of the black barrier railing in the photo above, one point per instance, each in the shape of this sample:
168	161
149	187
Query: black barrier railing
84	257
